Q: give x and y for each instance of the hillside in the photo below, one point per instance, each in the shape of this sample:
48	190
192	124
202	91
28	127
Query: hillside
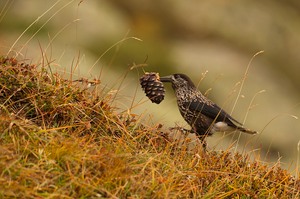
63	139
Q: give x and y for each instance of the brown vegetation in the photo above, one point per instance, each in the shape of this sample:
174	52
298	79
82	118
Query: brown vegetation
59	139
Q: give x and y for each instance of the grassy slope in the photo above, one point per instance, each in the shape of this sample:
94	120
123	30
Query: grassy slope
60	140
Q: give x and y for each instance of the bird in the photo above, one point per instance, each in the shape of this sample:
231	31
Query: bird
202	114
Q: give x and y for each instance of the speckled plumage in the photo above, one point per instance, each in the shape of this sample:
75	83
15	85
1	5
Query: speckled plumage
203	115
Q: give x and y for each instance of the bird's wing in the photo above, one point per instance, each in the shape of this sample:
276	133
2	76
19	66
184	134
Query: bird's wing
212	111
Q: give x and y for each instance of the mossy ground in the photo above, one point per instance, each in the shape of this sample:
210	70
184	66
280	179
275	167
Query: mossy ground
61	139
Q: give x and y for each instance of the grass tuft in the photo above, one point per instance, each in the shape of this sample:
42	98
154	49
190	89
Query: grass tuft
59	139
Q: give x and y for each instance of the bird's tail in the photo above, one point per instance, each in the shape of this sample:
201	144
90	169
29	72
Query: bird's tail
244	130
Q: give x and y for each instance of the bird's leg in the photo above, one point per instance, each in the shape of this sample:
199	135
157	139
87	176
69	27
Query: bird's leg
201	137
203	142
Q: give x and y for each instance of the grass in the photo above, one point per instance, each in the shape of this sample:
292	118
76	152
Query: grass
61	139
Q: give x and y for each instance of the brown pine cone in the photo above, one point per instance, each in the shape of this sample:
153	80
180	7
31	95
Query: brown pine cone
153	87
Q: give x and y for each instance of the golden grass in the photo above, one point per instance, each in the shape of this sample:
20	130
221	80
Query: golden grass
62	140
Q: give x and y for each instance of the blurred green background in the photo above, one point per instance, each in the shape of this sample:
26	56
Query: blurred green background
209	40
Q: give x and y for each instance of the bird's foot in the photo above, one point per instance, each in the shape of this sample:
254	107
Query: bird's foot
186	132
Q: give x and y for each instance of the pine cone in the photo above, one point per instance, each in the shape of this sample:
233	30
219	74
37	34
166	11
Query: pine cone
153	87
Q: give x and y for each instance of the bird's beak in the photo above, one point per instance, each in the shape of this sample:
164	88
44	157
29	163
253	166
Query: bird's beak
166	78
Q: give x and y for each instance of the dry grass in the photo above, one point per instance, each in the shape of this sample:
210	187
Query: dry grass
62	140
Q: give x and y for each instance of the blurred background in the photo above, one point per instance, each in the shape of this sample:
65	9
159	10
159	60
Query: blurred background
212	41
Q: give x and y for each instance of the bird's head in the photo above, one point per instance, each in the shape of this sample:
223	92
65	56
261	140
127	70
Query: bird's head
179	81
